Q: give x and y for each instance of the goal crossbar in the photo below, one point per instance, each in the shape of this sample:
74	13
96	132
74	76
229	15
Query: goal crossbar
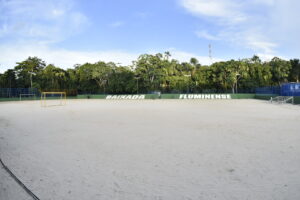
62	97
282	99
24	95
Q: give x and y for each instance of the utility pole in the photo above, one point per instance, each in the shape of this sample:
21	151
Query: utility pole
137	84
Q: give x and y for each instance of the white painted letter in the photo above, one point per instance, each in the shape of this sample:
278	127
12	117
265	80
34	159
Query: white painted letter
142	97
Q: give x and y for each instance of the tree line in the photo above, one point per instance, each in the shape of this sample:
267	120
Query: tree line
151	73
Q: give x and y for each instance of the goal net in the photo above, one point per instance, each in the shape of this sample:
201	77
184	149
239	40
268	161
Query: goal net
282	99
27	97
53	99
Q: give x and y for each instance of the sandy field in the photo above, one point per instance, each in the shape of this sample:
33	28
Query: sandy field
151	149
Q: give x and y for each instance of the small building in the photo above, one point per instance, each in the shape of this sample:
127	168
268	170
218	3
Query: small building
285	89
290	89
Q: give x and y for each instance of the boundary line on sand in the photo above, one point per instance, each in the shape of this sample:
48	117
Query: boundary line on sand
19	181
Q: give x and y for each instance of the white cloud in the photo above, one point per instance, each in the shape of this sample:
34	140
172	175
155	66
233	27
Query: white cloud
227	10
47	20
266	57
116	24
68	58
60	57
204	34
263	46
58	12
263	26
142	15
249	39
186	56
264	2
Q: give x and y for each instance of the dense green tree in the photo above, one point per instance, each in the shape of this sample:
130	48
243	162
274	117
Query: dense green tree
223	76
122	80
280	70
86	84
295	70
156	72
28	69
1	80
8	79
195	62
72	78
151	71
101	72
53	78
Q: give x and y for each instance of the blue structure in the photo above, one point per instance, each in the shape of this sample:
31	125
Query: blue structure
15	92
273	90
290	89
286	89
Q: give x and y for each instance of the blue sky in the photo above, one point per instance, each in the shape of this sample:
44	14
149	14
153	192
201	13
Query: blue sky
67	32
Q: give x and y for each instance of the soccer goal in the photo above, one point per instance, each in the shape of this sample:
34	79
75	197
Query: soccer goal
53	99
282	100
27	97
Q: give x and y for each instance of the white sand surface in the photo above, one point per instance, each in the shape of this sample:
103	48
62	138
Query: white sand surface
9	189
151	149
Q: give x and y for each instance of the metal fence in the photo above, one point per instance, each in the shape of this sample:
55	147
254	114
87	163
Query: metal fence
16	92
274	90
286	89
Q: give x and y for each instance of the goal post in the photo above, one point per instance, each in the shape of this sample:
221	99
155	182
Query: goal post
282	99
60	97
27	97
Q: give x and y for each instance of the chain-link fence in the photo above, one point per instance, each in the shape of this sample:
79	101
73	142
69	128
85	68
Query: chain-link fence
17	92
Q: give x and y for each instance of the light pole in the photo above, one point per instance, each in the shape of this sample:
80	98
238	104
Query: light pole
236	84
137	84
187	87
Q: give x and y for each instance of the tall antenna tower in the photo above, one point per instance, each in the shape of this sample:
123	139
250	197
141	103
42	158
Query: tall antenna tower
209	53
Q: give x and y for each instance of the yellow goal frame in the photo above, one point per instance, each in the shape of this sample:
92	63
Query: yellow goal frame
62	98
